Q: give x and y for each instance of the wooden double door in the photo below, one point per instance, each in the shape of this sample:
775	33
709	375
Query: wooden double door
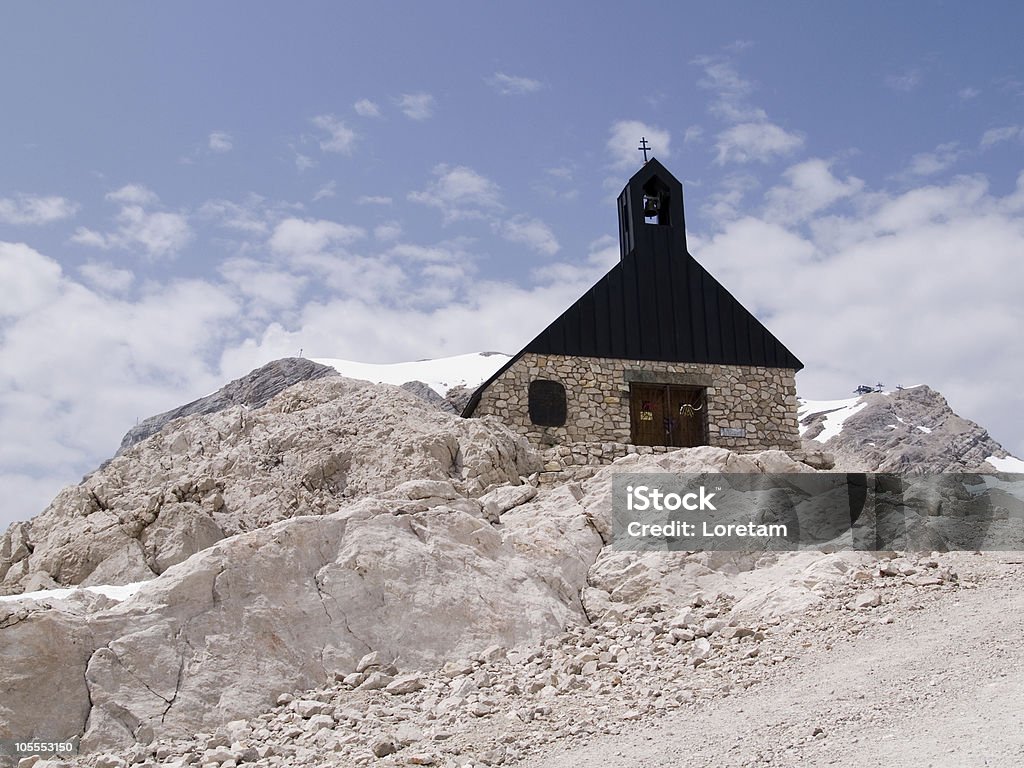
665	414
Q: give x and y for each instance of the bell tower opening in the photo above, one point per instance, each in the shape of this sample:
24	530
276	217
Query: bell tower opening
657	203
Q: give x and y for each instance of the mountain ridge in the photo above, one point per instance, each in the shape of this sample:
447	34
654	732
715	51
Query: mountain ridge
912	429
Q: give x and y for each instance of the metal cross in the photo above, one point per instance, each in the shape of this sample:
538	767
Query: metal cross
644	147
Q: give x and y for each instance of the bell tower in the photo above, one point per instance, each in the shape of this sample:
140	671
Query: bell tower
651	214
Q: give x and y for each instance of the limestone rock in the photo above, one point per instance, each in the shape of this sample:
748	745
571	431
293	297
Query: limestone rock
375	681
382	747
424	392
371	660
701	649
427	489
288	606
309	450
404	684
501	500
869	599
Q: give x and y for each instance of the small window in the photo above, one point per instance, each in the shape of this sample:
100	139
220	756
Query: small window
547	403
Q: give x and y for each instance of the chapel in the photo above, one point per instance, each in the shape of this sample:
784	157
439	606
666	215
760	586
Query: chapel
656	353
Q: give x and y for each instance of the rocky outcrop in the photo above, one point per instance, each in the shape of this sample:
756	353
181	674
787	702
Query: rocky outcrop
458	398
419	573
356	539
422	390
254	390
911	430
310	450
294	605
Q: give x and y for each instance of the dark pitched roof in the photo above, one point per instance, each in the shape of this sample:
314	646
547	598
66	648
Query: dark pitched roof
657	303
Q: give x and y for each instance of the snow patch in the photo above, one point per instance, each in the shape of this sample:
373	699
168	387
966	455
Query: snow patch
838	411
440	375
926	430
117	592
1006	464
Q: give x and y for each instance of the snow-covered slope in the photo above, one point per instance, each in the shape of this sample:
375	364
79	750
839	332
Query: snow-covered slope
1006	463
834	415
440	375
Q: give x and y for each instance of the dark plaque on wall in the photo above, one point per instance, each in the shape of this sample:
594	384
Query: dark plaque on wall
547	403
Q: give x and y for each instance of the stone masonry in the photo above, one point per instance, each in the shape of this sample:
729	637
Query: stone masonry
760	401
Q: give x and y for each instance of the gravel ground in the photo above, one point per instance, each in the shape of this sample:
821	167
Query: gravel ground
937	680
909	661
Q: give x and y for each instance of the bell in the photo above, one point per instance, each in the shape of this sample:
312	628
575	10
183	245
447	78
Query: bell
652	206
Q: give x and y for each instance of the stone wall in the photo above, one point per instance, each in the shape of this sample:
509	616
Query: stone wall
759	402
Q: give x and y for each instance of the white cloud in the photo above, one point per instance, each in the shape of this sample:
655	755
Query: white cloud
725	202
371	279
810	187
730	89
266	287
158	234
249	217
926	206
966	94
751	136
388	231
995	136
299	237
693	133
424	253
625	137
557	183
340	138
30	280
91	238
416	106
220	141
34	210
905	81
327	190
106	278
366	108
459	192
512	85
475	318
533	233
133	194
602	255
930	163
77	368
755	142
374	200
303	162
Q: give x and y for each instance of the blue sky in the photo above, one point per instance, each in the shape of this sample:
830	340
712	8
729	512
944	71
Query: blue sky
189	190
